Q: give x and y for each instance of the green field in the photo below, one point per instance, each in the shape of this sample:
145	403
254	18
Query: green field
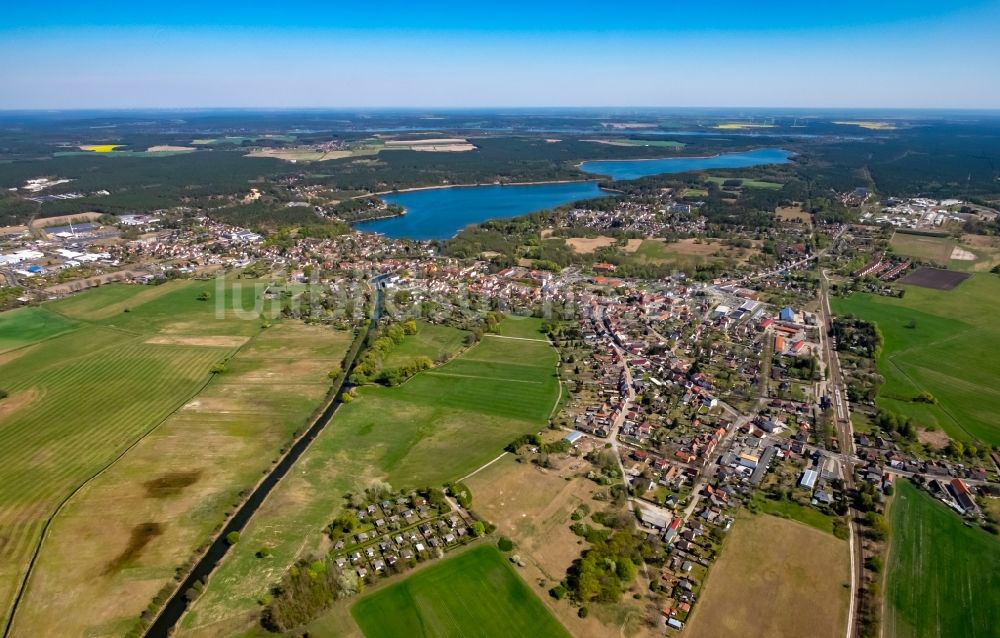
99	382
30	325
936	249
431	341
794	511
746	183
438	426
475	594
943	577
694	193
942	342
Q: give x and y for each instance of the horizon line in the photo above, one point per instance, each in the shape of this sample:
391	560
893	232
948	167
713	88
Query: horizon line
72	109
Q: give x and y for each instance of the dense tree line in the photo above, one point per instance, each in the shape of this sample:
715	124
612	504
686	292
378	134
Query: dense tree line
305	591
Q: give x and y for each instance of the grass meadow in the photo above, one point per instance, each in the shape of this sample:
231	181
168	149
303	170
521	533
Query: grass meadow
120	410
746	183
923	247
794	511
438	426
686	254
943	342
25	326
477	593
943	578
431	341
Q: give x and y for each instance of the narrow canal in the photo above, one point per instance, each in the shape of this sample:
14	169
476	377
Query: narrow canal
172	612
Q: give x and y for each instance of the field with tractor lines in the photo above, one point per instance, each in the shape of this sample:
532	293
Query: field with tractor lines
116	426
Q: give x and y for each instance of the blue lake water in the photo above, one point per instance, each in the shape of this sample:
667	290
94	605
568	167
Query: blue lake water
440	213
634	169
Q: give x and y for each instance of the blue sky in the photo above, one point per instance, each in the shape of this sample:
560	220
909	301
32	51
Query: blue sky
848	53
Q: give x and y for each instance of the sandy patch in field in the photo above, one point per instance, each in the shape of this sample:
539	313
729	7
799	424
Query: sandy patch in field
962	255
16	401
10	355
585	245
166	148
222	341
13	230
211	405
935	438
632	245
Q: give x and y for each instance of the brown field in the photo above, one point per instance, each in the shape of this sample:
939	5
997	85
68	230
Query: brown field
533	506
688	251
778	578
793	214
981	241
585	245
119	540
65	219
935	278
632	245
693	247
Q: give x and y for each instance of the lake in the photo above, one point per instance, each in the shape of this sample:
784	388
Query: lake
634	169
440	213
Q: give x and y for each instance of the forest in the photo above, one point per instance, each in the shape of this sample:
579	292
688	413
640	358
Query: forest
932	157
